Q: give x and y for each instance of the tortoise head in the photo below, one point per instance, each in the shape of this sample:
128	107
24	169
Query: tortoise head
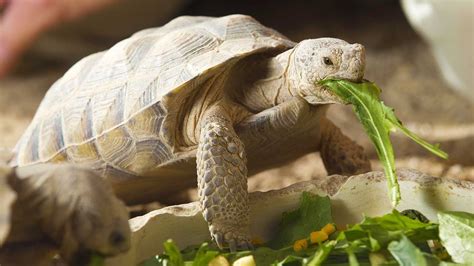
97	221
326	58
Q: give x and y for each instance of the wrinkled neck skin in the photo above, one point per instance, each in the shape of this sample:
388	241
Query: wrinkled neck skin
277	81
269	85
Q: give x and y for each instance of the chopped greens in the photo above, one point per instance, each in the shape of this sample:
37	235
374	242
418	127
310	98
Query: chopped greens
406	253
300	223
173	253
373	234
391	239
322	253
378	121
204	255
456	230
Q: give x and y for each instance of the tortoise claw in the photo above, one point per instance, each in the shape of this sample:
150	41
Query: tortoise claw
219	238
246	245
231	240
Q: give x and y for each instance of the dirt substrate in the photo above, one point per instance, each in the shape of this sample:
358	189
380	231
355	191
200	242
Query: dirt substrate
397	60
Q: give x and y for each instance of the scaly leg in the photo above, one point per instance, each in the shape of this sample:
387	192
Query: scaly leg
340	154
222	181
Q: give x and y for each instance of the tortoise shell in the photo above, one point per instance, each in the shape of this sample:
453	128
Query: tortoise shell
115	109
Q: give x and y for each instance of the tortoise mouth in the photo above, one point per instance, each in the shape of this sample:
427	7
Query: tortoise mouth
326	96
330	95
322	97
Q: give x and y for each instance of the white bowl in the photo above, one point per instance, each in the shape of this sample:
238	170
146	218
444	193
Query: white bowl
350	198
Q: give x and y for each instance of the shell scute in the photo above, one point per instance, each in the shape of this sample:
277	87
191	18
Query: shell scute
108	109
147	124
53	139
83	153
77	119
117	147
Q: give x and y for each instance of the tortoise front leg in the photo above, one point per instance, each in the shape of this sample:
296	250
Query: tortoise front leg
222	181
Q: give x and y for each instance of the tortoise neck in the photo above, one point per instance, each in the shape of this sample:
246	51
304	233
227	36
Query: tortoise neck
271	86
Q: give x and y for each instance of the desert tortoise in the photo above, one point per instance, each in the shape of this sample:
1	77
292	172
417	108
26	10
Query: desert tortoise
226	96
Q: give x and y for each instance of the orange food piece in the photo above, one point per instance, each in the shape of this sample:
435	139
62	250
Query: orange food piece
329	229
318	236
300	245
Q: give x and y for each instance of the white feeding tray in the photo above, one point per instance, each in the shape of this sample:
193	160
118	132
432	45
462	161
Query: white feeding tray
350	198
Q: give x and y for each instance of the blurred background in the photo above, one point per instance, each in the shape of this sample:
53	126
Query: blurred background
425	73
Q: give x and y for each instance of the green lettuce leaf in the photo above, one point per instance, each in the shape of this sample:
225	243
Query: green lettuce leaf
174	255
456	231
322	253
374	234
268	256
378	120
204	255
314	213
288	260
407	254
395	123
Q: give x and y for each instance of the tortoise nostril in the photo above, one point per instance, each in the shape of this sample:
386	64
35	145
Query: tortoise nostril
116	238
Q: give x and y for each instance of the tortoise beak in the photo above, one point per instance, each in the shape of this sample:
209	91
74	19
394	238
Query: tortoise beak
333	98
327	95
322	95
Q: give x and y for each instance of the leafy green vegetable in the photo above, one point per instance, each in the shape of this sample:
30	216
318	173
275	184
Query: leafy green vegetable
456	230
397	124
175	257
378	120
351	256
407	254
322	253
268	256
370	113
374	234
204	255
289	259
314	213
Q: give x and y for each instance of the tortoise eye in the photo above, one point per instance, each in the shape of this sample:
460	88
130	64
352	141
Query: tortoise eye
327	61
116	238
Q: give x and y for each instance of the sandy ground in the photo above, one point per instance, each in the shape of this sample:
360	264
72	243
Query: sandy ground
397	60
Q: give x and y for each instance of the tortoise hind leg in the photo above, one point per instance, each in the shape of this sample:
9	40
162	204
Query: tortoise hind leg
340	154
222	181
